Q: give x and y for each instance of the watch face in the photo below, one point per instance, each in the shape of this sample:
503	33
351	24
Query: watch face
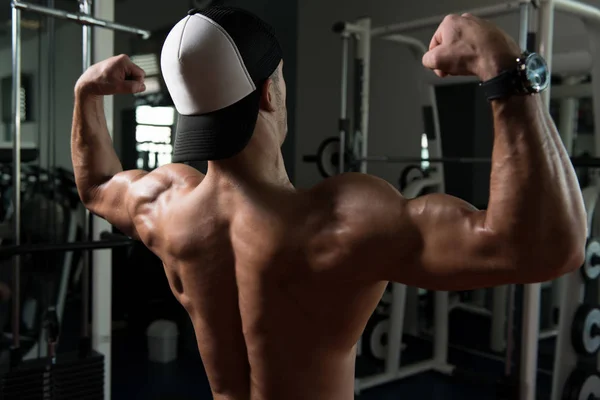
536	73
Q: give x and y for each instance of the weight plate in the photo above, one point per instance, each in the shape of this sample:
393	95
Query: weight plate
590	388
585	330
378	339
581	385
591	266
387	296
409	174
328	157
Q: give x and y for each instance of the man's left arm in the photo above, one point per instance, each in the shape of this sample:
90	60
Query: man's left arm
103	186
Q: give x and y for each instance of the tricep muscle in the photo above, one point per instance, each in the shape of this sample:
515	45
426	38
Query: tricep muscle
129	194
434	242
456	250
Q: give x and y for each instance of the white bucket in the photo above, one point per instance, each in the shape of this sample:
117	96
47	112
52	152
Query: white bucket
162	341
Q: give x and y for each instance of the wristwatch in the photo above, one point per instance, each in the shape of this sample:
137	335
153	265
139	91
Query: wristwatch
530	76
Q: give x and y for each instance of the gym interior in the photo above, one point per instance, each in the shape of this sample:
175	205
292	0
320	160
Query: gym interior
86	312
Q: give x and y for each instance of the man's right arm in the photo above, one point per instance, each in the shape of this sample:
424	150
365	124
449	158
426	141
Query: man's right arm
534	228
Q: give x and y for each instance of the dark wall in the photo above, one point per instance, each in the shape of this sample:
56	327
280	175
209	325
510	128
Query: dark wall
484	140
466	133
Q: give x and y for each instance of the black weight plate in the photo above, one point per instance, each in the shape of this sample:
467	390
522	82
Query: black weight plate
409	174
374	339
584	337
591	266
328	157
582	385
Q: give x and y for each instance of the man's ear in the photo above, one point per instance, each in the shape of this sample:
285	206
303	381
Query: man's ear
267	96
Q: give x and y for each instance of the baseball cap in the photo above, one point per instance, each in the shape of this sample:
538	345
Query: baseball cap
214	63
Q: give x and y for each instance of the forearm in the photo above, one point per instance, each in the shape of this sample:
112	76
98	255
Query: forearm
535	199
93	155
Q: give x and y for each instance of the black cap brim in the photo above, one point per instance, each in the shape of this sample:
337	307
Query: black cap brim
218	135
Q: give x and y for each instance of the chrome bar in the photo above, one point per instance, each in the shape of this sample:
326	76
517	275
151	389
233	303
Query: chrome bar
80	18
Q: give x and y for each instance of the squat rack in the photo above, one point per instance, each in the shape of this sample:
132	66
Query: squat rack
362	30
101	326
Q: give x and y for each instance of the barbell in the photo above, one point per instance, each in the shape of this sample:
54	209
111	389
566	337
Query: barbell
327	159
107	241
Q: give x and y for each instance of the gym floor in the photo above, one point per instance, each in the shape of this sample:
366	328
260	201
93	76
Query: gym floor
134	377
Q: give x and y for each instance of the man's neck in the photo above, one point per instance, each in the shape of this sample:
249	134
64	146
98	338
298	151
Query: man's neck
261	162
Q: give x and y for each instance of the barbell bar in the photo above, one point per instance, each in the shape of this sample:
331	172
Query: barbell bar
107	241
591	162
327	159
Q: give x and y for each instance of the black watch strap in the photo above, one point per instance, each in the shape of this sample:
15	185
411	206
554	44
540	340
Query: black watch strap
504	85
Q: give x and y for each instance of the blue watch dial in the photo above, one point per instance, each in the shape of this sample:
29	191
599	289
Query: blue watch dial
536	73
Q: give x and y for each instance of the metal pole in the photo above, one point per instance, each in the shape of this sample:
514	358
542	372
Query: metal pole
569	108
578	9
364	53
85	7
483	12
546	43
523	25
51	125
507	296
101	333
441	326
16	106
593	33
80	18
344	103
531	294
394	350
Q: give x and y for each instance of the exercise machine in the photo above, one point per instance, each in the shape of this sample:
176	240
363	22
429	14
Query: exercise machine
97	46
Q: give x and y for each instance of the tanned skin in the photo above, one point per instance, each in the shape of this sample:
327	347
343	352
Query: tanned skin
278	282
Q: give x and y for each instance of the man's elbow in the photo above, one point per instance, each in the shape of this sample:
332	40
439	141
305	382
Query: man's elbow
551	260
87	197
569	260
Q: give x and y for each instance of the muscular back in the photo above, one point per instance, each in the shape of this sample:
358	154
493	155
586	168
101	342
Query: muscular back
274	281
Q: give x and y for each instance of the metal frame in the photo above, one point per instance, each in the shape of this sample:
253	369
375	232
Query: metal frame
85	8
572	290
102	281
81	18
594	44
531	329
16	133
571	285
483	12
103	47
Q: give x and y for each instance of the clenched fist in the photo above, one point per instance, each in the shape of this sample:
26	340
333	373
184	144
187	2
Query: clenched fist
468	45
116	75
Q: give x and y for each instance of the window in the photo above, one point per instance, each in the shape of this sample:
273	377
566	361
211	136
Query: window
424	152
153	135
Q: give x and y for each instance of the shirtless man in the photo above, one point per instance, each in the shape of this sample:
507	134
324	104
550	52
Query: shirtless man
278	282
